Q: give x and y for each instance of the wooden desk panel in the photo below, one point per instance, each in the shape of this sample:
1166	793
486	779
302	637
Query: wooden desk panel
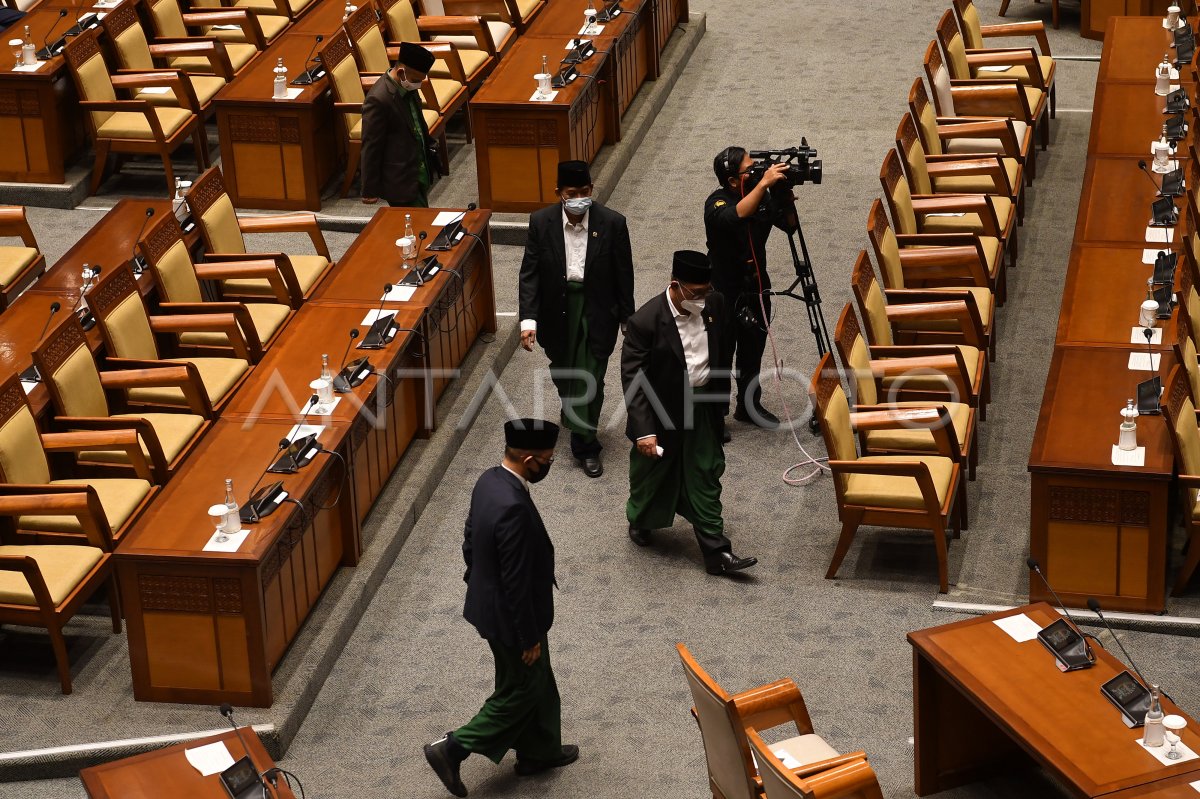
207	627
1115	203
1102	299
167	772
978	695
1135	49
1096	16
1141	114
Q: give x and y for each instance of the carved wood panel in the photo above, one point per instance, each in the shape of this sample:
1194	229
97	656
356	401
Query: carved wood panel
59	344
210	186
162	237
111	290
228	595
175	594
522	132
1080	504
12	398
253	128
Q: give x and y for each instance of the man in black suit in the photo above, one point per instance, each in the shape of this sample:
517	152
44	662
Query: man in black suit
675	369
575	290
510	580
397	158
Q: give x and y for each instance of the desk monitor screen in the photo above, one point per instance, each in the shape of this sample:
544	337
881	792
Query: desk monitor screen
1067	646
1129	696
241	779
1172	183
1164	212
1148	394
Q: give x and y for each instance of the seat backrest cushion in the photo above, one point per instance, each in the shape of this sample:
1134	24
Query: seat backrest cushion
346	83
971	29
78	384
877	318
133	50
914	159
177	276
128	328
402	22
1187	435
168	19
22	459
95	85
722	745
221	225
372	51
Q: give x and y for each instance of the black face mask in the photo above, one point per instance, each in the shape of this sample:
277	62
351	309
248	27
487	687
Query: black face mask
543	470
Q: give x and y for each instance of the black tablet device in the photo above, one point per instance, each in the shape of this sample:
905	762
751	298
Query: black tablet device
241	780
1177	101
1129	696
1068	646
1149	394
299	454
264	502
1164	212
1172	184
377	336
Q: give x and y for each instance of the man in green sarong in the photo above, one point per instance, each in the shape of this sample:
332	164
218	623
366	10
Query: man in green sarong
675	367
574	292
398	157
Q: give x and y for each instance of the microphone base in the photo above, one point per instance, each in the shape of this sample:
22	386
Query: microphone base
31	375
262	504
1069	648
86	320
352	375
308	77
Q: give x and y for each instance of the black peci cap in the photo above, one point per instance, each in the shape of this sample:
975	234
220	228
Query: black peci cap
573	174
414	56
690	266
530	434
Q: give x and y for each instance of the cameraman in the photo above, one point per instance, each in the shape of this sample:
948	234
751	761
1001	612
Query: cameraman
737	223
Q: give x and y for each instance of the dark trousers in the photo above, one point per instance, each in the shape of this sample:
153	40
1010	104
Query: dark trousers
582	399
749	343
523	713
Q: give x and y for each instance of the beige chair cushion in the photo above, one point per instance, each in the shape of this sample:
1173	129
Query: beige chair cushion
356	127
135	125
14	261
133	50
431	117
372	52
968	223
1187	438
989	244
445	90
205	88
220	221
978	184
63	568
806	749
177	275
920	440
78	384
308	269
128	328
118	496
1034	97
22	458
498	29
963	146
527	7
347	86
472	60
168	19
1022	74
217	374
935	382
267	317
174	431
889	491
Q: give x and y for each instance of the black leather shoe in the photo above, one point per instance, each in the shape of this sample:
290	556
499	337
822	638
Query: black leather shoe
445	766
592	465
760	417
726	562
639	536
726	436
528	766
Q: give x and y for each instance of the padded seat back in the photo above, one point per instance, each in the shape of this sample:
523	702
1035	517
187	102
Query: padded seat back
895	189
124	30
210	203
347	87
402	20
926	117
22	459
908	142
953	46
91	73
369	47
168	255
724	743
856	356
833	409
1181	416
118	306
968	18
168	19
887	247
939	80
871	300
69	371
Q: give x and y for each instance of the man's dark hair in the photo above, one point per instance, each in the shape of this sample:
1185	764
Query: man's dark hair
728	163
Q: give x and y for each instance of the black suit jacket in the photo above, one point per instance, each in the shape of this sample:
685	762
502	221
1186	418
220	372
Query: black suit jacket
391	154
607	279
510	563
654	372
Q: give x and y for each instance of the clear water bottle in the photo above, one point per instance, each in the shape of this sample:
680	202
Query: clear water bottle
325	373
589	15
349	10
409	249
1127	440
1154	734
28	51
233	516
280	71
1162	77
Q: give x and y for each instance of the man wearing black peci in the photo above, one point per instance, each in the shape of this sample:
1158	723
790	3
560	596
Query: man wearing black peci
397	158
510	601
737	223
675	370
575	290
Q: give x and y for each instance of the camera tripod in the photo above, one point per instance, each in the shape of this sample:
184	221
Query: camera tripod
806	281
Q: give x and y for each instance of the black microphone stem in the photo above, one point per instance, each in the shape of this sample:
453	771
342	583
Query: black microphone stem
1033	564
139	264
46	41
1095	608
1156	183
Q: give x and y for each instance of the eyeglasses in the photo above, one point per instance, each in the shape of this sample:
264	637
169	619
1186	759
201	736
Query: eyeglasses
697	296
543	462
576	193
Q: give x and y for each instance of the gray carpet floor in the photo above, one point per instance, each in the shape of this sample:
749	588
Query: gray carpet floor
766	74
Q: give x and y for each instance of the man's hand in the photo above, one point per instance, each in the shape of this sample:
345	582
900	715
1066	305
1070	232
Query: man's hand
648	446
773	175
530	655
370	200
623	325
528	339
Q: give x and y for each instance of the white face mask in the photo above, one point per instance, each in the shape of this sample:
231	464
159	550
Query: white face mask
692	306
578	205
406	84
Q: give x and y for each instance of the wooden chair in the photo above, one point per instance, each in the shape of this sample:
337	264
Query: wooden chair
521	12
1186	353
245	31
853	779
974	33
495	15
1000	178
980	97
930	376
1181	418
223	231
136	55
80	394
952	135
470	37
964	65
929	316
110	505
180	293
1053	10
20	265
919	215
905	491
129	333
724	719
446	96
131	126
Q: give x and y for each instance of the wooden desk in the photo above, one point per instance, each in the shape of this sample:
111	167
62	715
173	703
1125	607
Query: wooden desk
454	311
519	143
1095	15
167	772
1136	51
979	698
633	30
209	627
1102	530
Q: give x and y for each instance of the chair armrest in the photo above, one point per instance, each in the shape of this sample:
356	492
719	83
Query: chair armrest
1191	480
258	269
239	311
958	165
1008	56
489	9
244	18
126	439
897	361
966	315
1002	129
212	49
203	321
824	765
463	26
855	778
771	705
28	567
143	428
282	265
979	204
288	223
80	501
448	55
13	222
914	469
935	419
1036	29
937	262
160	374
171	78
991	98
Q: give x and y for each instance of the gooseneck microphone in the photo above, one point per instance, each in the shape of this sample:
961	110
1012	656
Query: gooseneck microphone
1037	567
1094	606
32	375
377	335
1150	176
139	263
46	53
251	511
227	712
306	78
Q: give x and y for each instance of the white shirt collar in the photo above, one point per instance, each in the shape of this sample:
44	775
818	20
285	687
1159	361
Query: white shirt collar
524	482
678	314
583	223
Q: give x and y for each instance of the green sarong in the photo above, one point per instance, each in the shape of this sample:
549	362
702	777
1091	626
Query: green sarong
686	480
582	399
523	713
412	101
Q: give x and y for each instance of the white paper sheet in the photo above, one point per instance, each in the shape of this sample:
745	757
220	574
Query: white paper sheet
445	217
232	545
1143	362
398	294
1138	336
1133	457
996	68
302	430
787	760
948	213
1160	235
210	759
155	90
1150	256
292	94
28	385
227	27
590	30
538	97
29	67
1160	754
371	316
1020	627
1195	785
